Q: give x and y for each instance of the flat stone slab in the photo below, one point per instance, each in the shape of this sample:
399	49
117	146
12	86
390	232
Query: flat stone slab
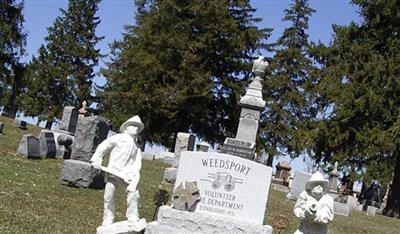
81	174
182	222
122	227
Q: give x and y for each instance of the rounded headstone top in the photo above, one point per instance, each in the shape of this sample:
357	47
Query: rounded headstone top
64	140
283	165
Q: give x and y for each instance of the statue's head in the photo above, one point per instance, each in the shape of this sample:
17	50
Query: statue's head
317	184
259	66
133	125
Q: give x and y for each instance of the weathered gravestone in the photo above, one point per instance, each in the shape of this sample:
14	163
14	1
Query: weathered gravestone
233	196
20	124
78	171
202	146
184	142
1	128
47	144
90	132
29	147
342	209
69	119
298	184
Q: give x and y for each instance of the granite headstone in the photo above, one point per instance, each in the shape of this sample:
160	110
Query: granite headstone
69	119
298	184
47	144
90	132
1	128
20	124
225	183
29	147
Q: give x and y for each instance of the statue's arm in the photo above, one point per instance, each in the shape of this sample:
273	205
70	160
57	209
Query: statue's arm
300	206
102	149
137	165
325	212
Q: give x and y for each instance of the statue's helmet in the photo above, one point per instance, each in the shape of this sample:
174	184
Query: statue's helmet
134	121
316	179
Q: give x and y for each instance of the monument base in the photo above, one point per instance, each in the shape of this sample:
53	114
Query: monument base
81	174
244	149
176	221
122	227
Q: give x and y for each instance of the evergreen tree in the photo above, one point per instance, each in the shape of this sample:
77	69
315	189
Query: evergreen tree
182	68
62	73
359	97
285	122
12	43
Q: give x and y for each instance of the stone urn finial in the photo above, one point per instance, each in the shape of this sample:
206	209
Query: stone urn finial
259	66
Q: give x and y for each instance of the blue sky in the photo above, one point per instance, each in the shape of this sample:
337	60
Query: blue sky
114	14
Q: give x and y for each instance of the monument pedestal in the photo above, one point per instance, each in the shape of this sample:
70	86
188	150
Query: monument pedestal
176	221
122	227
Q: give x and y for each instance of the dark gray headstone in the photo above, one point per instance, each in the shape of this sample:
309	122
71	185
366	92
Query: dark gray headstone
191	143
1	127
47	144
20	124
90	132
29	147
69	119
64	141
81	174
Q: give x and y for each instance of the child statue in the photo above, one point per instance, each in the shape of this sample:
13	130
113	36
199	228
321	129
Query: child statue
123	170
314	207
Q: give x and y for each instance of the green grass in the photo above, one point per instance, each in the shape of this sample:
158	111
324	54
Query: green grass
33	201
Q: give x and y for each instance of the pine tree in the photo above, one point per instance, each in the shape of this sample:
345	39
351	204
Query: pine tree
359	97
182	68
284	124
62	73
12	43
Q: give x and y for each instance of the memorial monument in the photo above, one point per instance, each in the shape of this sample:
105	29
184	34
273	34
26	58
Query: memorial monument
252	103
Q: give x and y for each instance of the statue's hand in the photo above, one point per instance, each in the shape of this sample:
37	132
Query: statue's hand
96	165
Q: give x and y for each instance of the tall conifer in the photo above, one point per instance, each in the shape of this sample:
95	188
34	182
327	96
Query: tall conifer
360	97
62	73
180	68
12	47
284	122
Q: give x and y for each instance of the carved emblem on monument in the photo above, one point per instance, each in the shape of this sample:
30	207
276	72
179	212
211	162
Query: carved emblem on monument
186	198
224	180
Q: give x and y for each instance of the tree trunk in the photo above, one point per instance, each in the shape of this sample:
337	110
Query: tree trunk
142	140
270	160
393	203
49	123
11	108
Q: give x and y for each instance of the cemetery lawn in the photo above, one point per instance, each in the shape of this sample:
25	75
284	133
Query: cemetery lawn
33	201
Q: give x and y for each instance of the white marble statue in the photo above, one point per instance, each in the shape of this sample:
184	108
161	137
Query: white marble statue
314	207
123	169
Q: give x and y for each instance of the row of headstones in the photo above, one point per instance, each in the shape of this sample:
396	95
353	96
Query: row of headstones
50	144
